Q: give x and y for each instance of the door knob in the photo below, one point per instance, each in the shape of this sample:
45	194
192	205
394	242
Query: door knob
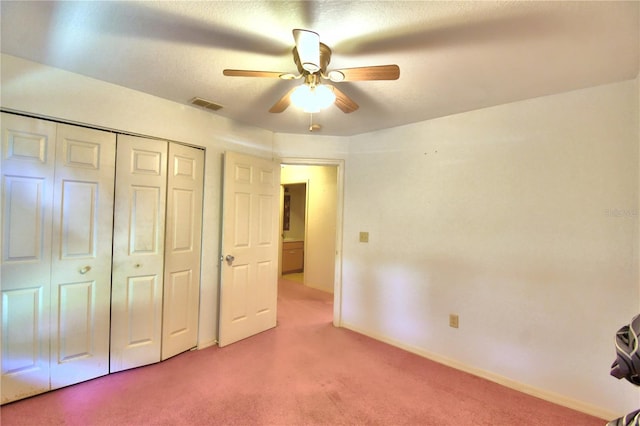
85	269
230	259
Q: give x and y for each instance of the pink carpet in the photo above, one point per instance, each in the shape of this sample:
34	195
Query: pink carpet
303	372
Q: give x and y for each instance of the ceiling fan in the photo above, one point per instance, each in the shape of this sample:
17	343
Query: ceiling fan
312	58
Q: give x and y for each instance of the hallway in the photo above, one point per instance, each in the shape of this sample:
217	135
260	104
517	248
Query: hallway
296	277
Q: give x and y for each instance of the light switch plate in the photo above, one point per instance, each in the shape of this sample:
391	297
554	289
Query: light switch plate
453	320
364	237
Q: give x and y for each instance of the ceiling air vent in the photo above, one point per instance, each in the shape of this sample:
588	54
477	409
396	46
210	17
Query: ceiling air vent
205	104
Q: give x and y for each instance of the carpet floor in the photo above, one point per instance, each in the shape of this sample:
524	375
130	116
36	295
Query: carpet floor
303	372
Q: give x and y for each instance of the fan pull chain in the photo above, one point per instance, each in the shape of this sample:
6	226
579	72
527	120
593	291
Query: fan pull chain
312	127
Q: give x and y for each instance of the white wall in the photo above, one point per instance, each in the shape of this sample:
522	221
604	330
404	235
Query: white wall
315	146
53	93
510	217
320	240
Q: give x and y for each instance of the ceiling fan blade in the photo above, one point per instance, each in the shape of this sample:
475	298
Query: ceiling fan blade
308	47
283	103
247	73
345	103
378	72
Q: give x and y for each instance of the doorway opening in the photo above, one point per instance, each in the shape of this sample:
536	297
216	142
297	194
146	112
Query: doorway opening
311	209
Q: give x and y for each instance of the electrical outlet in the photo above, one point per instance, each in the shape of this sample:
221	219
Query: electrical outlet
364	237
453	320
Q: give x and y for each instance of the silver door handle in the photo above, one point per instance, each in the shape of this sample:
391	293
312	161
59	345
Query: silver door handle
230	259
85	269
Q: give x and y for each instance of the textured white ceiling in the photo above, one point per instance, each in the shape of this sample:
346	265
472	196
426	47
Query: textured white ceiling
453	56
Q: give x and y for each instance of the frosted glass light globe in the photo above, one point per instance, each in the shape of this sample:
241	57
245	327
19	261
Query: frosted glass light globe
312	99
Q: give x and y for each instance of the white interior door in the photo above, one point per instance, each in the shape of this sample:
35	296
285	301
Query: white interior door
81	254
138	252
28	154
182	249
249	271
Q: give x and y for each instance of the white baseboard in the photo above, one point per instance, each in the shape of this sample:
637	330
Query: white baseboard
496	378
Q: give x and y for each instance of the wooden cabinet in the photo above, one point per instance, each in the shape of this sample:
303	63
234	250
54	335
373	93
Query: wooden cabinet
292	256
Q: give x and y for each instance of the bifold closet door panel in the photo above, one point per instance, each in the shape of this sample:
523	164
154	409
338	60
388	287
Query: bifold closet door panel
81	261
28	163
182	249
138	252
83	253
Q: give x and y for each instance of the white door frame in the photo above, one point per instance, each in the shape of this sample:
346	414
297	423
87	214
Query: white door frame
337	281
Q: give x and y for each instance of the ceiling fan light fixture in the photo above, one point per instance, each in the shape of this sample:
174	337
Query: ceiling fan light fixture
312	99
312	58
336	76
308	45
312	68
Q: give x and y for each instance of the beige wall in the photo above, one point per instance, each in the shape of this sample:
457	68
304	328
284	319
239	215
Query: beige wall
509	217
637	118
